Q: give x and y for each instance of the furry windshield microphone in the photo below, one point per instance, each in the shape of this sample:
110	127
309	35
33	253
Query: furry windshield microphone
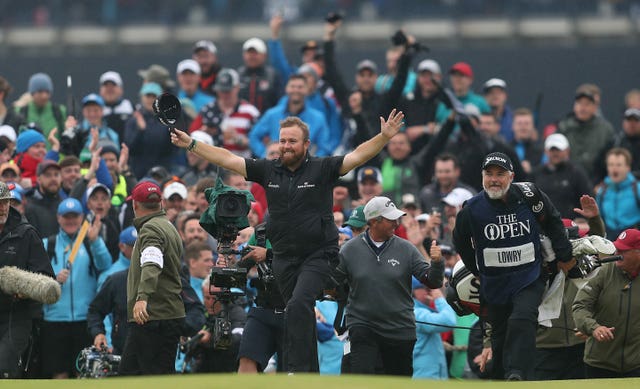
167	109
38	287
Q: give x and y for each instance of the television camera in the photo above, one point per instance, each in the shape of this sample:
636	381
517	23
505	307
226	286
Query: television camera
96	362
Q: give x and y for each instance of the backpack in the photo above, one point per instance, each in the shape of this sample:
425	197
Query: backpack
51	252
57	115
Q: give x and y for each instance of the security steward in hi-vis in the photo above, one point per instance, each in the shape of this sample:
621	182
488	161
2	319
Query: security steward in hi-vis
497	234
300	228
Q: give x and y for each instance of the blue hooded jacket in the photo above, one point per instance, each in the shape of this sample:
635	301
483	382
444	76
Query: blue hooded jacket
81	286
619	204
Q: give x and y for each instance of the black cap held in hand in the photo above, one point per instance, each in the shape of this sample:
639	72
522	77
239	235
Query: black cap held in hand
167	109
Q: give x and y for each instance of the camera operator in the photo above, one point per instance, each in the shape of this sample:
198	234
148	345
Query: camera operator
301	229
220	351
379	314
264	332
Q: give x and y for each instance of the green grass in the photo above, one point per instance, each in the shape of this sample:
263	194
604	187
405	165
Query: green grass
219	381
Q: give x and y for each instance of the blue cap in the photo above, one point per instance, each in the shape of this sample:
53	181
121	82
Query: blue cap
415	284
16	195
347	231
40	82
129	235
27	139
92	98
15	191
151	88
70	205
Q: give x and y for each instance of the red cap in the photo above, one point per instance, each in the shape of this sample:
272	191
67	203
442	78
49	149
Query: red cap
628	240
462	68
257	208
568	223
146	192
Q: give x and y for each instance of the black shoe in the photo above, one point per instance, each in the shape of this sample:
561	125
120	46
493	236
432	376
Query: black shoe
514	377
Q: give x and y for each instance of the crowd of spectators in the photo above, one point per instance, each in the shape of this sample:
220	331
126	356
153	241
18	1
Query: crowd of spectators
62	167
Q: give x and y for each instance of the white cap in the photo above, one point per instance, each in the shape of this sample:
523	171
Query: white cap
472	110
382	206
429	65
188	64
256	44
557	141
9	132
205	45
423	217
203	137
175	188
494	83
457	196
111	76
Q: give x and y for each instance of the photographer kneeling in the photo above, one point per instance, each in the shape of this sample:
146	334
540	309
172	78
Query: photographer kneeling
221	338
379	313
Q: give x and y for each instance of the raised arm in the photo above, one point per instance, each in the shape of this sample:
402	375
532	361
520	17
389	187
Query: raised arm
370	148
216	155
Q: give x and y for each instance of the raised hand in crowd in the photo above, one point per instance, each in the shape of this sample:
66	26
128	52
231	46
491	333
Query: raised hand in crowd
94	229
142	125
95	163
414	235
71	122
589	207
95	135
330	30
123	160
53	140
275	24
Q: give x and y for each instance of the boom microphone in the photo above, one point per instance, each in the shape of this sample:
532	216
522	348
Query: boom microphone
38	287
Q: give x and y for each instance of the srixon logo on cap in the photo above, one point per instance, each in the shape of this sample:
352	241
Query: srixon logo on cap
495	158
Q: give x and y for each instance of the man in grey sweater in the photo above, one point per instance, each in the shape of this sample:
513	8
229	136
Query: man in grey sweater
378	267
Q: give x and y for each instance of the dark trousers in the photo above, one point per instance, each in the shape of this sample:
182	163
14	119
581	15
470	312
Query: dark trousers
596	372
561	363
301	281
368	347
151	348
14	339
61	344
513	333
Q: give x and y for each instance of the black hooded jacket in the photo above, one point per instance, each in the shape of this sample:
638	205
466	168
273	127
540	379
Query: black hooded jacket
21	246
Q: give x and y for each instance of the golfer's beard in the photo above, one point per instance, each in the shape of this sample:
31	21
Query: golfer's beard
496	194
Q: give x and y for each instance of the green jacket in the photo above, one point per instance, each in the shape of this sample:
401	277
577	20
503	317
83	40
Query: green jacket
587	139
48	117
610	299
560	334
159	286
